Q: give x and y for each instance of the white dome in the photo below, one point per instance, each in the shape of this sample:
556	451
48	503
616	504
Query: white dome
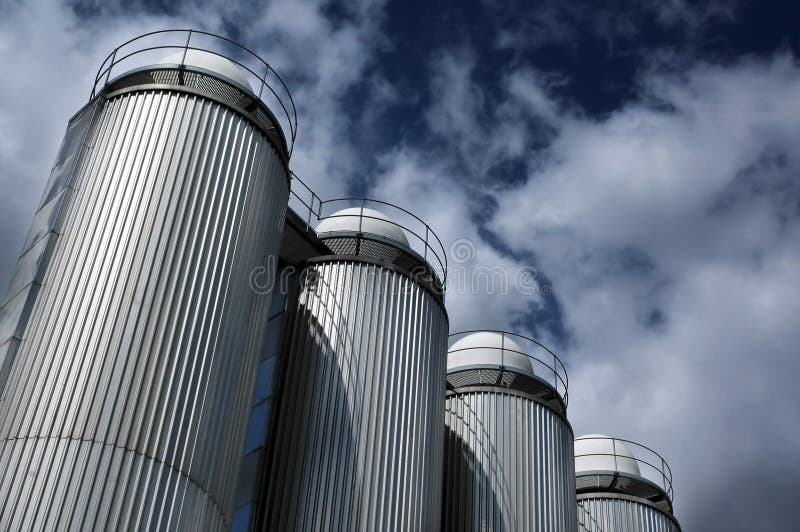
488	349
602	448
211	62
373	222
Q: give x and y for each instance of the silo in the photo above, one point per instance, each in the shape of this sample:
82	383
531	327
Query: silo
508	445
358	425
622	486
126	403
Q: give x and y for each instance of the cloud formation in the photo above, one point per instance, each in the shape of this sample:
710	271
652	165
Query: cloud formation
666	228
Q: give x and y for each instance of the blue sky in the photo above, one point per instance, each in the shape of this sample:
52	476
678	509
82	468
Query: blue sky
640	156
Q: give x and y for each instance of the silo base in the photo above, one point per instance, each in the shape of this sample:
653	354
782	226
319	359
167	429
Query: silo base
605	512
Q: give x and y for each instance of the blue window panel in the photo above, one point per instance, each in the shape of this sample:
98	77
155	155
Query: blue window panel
241	518
278	303
249	471
273	336
265	380
257	428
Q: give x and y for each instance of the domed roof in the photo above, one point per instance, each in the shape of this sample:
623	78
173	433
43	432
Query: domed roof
373	222
211	62
602	449
487	348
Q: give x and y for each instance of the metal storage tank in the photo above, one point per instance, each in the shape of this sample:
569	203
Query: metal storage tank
622	486
126	403
358	424
509	447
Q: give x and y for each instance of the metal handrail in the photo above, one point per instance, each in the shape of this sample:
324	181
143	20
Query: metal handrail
557	374
430	248
660	467
285	100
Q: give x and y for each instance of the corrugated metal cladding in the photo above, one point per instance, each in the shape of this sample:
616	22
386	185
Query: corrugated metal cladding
598	513
359	434
126	406
42	237
509	464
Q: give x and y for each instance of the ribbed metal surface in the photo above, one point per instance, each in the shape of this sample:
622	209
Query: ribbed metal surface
126	405
42	237
621	514
359	430
508	464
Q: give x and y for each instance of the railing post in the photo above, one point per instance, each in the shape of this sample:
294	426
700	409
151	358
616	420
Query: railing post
614	450
426	241
310	211
361	216
186	48
263	80
503	349
111	65
555	373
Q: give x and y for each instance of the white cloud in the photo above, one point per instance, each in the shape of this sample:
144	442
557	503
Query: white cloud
670	232
674	209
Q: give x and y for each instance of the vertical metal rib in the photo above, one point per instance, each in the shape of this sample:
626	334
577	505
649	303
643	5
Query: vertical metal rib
508	464
618	513
359	429
126	405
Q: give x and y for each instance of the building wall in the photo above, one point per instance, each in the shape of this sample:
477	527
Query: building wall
357	444
248	508
126	405
509	464
46	229
617	513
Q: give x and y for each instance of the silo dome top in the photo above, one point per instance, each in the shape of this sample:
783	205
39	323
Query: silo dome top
597	452
486	348
364	220
211	62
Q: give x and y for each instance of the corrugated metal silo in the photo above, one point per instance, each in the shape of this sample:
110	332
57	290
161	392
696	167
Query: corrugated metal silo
358	433
622	486
508	445
126	403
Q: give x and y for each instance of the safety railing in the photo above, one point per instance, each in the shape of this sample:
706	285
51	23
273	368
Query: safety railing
148	49
652	466
544	364
422	241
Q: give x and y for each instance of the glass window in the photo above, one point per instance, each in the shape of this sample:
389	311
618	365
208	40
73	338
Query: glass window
273	336
49	218
265	379
76	131
32	264
8	351
278	298
256	430
246	481
241	518
60	178
15	312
